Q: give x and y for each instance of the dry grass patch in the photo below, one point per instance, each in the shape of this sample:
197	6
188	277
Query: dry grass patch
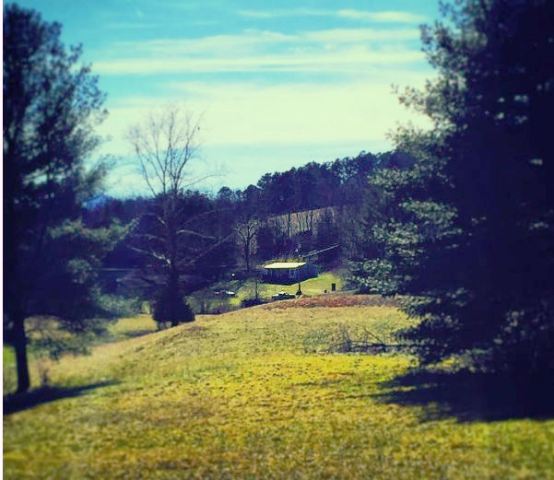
337	300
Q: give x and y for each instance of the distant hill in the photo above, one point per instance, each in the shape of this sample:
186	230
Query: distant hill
97	201
295	223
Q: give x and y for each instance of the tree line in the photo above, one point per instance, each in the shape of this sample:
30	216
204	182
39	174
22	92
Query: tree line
284	214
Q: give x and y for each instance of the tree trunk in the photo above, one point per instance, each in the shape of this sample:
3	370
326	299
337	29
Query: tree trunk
247	254
20	345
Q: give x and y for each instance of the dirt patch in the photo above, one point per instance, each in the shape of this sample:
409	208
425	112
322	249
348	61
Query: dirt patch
336	300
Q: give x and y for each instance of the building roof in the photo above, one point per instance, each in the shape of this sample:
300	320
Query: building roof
284	265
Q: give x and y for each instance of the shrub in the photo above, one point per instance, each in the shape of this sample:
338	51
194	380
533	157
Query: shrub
170	307
250	302
116	306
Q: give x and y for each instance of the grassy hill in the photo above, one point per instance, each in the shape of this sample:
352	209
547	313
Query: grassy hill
207	302
255	394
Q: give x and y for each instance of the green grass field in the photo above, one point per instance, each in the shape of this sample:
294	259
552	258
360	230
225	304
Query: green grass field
240	396
206	301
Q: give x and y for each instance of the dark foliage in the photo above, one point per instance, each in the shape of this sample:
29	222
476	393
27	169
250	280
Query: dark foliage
469	228
51	105
251	302
249	213
315	185
473	397
170	306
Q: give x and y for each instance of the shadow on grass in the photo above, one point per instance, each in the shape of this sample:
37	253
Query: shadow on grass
471	397
17	402
134	334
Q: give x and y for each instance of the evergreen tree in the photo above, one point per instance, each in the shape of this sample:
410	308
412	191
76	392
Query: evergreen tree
471	232
50	106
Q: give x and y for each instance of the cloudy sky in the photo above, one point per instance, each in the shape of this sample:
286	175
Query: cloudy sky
278	84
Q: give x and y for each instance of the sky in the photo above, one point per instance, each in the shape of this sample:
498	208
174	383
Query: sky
276	84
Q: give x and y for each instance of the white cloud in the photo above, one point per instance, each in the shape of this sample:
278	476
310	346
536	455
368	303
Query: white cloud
297	113
253	40
292	12
288	114
351	61
248	123
357	35
214	44
332	50
249	129
382	17
387	16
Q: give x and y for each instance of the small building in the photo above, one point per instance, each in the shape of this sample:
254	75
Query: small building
288	272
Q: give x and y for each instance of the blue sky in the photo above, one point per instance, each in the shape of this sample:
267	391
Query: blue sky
278	84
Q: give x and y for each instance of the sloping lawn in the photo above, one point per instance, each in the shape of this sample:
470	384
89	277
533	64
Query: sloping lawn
238	396
121	329
206	300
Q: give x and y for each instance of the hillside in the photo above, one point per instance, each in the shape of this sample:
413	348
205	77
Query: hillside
256	394
294	223
207	301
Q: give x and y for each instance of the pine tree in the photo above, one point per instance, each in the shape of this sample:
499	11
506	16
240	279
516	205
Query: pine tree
50	106
471	234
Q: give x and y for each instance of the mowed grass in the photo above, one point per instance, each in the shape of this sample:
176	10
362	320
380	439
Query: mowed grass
245	289
237	396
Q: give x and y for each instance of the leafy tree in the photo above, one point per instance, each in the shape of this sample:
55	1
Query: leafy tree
51	104
472	237
267	241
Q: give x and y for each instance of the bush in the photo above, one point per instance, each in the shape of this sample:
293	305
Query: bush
116	306
170	307
250	302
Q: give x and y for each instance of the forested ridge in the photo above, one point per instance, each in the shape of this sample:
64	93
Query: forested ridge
289	213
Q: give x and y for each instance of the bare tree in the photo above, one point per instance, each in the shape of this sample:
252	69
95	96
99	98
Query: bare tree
165	144
246	234
168	237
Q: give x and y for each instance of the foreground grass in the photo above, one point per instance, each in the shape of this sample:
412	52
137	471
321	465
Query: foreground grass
237	396
121	329
126	328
